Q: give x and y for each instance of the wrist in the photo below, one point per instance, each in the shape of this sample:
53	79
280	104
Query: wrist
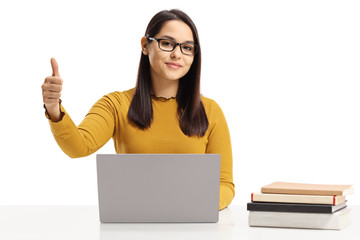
54	113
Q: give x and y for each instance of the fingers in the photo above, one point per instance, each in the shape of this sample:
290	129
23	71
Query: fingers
54	80
53	84
51	87
55	68
48	88
51	95
51	90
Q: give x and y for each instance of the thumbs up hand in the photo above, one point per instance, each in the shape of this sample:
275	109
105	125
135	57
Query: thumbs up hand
51	91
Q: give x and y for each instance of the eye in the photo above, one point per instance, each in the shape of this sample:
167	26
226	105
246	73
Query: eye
188	47
166	43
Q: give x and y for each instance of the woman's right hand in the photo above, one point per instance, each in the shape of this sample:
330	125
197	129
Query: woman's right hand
51	91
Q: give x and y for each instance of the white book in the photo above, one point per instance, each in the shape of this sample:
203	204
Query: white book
332	221
289	198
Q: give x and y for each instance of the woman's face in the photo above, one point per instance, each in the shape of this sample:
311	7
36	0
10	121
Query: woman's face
169	66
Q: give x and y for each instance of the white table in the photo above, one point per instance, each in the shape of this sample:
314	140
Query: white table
82	222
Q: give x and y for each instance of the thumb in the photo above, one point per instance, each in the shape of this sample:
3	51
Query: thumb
55	68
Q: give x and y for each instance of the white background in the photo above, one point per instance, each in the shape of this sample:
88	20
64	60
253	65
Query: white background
286	74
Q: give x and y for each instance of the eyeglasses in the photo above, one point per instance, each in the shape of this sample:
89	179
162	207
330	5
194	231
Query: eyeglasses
168	45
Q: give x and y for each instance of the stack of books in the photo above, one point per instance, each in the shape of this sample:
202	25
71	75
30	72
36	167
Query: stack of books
300	205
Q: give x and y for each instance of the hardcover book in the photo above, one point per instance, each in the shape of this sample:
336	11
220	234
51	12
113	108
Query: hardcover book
334	221
295	198
294	207
307	189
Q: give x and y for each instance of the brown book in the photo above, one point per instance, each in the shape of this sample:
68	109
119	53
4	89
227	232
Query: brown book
307	189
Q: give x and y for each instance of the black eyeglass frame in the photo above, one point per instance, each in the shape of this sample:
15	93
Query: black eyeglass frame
176	43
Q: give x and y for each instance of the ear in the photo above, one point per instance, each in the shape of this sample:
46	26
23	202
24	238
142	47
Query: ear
144	45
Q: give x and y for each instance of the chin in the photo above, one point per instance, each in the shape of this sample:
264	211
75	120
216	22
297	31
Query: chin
174	78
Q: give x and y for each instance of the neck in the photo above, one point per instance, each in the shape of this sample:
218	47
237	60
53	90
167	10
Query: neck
165	88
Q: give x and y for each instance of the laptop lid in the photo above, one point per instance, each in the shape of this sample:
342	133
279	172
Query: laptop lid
158	187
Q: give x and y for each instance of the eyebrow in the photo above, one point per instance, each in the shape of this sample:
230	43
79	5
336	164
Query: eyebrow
171	38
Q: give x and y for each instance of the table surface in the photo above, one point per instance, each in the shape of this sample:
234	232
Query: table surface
82	222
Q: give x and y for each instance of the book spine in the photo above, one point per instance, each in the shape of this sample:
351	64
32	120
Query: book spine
303	208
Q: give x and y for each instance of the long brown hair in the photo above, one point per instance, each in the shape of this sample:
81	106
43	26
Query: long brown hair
191	112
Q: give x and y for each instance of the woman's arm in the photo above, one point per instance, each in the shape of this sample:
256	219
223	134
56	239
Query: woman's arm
219	142
93	132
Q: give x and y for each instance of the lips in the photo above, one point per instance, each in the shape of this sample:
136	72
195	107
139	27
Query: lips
174	65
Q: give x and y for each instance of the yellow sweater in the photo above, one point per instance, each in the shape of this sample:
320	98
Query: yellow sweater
108	118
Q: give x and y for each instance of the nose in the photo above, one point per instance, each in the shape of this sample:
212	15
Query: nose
176	53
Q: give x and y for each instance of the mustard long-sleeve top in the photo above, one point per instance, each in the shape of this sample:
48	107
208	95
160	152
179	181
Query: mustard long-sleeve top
108	119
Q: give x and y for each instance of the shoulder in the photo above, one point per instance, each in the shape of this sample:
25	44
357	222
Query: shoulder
214	114
115	101
122	98
212	108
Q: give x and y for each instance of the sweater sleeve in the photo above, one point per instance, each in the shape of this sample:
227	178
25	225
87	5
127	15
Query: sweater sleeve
92	133
219	142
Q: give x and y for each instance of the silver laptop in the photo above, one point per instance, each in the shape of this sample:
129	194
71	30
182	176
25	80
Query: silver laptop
158	187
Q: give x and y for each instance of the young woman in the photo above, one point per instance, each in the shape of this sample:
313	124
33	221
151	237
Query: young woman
164	113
